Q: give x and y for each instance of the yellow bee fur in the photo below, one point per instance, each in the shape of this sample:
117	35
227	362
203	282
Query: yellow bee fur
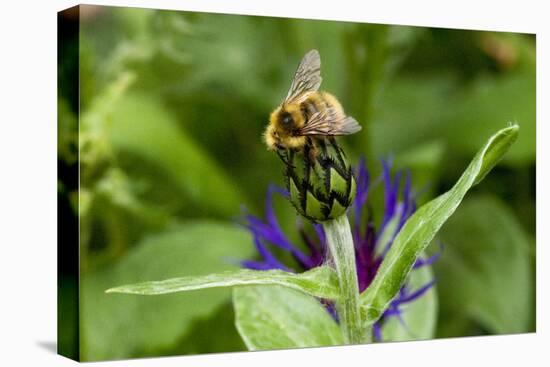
287	119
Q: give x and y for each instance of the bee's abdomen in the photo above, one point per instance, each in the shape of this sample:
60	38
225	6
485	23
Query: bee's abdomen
309	107
331	101
319	101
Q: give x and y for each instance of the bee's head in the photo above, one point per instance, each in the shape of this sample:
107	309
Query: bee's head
286	121
289	118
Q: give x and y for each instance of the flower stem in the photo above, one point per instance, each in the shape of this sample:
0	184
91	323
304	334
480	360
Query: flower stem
342	251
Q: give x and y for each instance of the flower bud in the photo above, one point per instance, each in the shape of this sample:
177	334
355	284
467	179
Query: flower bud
319	179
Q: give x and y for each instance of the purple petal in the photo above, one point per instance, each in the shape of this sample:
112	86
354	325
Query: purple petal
331	308
275	237
362	188
270	260
320	234
407	202
377	332
393	311
269	211
316	250
420	262
391	192
418	293
258	265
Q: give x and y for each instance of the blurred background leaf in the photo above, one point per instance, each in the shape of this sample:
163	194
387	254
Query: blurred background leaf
143	129
483	106
486	271
148	324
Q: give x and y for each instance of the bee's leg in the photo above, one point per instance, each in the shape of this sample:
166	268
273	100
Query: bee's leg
311	149
281	153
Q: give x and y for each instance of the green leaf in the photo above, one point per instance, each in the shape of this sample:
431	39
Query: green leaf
144	127
149	324
419	317
421	228
319	282
278	317
490	266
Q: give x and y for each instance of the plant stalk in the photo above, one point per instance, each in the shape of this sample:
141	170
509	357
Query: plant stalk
342	251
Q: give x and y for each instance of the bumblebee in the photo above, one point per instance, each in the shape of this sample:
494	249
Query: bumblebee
307	113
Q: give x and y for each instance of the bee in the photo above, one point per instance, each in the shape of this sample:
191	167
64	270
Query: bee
307	113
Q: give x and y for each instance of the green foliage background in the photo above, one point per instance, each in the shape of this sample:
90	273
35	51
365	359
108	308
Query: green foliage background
171	110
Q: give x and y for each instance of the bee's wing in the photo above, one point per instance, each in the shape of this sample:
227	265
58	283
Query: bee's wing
330	122
307	77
